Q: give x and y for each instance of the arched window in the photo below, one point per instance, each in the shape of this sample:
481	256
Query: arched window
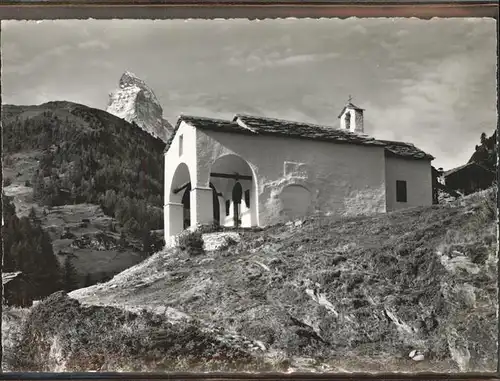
237	196
186	202
215	202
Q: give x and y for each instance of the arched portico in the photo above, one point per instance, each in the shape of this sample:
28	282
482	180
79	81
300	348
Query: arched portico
236	186
225	195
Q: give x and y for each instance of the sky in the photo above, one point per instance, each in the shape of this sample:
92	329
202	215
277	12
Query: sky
428	82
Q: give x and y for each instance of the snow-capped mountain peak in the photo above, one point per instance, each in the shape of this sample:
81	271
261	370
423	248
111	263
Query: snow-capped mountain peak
129	79
136	102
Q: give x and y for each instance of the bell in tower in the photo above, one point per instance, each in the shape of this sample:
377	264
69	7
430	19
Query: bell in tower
351	117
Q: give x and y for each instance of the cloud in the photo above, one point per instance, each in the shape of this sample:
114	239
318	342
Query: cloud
27	66
259	60
430	110
428	82
93	44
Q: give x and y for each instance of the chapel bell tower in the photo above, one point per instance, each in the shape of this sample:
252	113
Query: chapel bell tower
351	118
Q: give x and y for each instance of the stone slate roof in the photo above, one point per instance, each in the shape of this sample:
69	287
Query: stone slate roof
285	128
254	125
405	150
467	166
7	277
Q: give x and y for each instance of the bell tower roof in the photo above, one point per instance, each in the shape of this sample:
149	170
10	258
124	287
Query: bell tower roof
350	106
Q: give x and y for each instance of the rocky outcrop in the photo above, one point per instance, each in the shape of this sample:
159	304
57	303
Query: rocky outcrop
136	102
410	291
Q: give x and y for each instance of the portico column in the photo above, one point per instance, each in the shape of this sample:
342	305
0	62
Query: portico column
222	210
202	212
254	206
173	219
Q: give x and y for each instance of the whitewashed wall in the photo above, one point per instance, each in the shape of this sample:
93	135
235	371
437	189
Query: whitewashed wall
342	179
173	159
418	177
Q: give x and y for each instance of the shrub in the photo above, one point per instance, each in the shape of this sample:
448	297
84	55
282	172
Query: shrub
7	181
213	228
192	242
487	210
230	241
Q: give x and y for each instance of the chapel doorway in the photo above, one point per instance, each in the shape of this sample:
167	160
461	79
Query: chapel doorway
216	205
186	203
237	195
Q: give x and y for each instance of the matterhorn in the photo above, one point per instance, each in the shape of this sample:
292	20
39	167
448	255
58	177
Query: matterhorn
135	102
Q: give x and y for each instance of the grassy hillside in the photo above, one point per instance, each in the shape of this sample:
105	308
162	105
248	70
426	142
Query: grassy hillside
354	294
94	181
89	155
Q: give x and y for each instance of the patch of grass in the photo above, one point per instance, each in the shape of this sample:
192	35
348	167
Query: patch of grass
60	332
12	318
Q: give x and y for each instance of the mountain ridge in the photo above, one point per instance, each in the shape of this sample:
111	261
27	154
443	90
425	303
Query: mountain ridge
94	180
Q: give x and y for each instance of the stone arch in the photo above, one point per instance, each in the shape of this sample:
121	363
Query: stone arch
296	201
181	177
230	173
177	206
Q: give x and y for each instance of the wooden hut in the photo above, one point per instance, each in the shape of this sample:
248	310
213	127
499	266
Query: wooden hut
469	178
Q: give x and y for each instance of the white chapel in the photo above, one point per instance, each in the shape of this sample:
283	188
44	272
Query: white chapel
255	171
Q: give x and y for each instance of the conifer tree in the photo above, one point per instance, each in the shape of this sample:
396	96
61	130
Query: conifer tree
483	139
88	280
27	248
122	242
70	276
147	242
